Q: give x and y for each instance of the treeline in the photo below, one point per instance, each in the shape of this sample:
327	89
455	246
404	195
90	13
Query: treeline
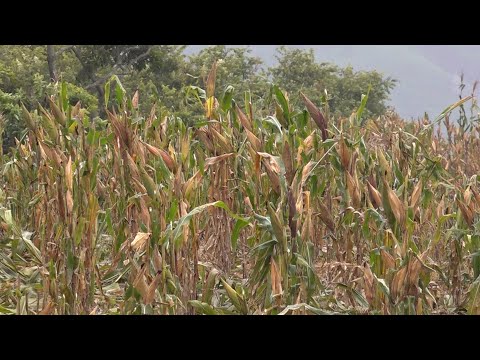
164	75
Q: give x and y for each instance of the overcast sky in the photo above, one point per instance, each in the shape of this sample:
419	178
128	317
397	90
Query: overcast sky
428	74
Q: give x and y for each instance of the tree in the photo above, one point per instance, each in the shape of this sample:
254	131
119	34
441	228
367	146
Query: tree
23	78
350	86
236	67
161	77
157	71
298	71
31	73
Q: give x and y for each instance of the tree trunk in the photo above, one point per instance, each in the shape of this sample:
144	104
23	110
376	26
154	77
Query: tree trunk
93	78
51	63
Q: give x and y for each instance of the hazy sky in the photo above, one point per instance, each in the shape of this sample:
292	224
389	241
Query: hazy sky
428	74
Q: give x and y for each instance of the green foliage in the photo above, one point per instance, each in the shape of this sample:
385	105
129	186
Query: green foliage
161	78
10	110
236	67
76	94
162	74
297	70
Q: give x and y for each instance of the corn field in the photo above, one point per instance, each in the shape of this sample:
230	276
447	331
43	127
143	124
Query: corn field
254	209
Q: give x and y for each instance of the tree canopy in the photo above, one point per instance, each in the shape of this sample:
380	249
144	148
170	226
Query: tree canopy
163	73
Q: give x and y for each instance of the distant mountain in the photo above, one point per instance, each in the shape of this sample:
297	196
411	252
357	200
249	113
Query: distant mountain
428	75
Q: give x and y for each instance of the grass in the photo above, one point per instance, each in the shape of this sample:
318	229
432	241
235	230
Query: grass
273	210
